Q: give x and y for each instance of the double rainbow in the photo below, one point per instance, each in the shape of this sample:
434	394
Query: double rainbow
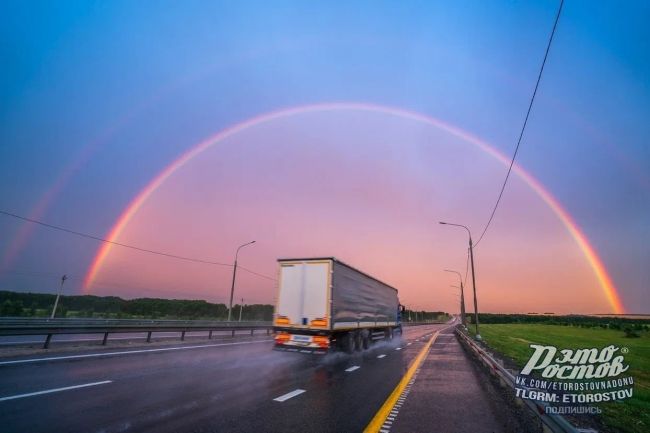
590	254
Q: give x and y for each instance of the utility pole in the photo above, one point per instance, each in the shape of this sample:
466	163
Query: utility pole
58	295
462	303
234	274
462	297
471	255
241	307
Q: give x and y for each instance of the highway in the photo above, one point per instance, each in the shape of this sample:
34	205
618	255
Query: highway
218	386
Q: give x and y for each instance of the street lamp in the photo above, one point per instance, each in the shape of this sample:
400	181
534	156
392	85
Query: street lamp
462	296
471	255
461	299
234	273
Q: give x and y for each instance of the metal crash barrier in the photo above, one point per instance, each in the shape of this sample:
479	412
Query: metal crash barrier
51	327
550	422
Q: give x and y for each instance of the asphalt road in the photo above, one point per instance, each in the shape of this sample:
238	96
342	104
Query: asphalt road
239	386
450	393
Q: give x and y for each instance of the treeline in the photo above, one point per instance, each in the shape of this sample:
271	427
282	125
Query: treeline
569	320
423	316
16	304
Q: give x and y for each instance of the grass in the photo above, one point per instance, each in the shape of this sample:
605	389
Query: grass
632	415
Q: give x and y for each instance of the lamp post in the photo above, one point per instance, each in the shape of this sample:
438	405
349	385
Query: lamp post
462	297
462	303
234	274
58	295
241	308
471	255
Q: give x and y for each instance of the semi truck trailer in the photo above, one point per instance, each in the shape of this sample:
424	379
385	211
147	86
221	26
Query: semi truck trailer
325	305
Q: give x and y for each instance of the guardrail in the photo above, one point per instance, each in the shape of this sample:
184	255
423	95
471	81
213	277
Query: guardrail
433	322
551	422
50	327
16	326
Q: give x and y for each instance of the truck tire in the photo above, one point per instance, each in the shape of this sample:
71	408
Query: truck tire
347	343
388	334
365	339
358	345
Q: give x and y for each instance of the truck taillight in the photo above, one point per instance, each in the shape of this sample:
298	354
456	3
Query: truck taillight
282	337
282	320
322	341
319	322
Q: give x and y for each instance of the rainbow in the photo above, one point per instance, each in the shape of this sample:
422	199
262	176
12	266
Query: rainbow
589	252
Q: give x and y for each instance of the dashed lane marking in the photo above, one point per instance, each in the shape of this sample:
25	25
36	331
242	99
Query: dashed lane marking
381	356
351	369
289	395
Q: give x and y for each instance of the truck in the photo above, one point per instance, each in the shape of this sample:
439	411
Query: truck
324	305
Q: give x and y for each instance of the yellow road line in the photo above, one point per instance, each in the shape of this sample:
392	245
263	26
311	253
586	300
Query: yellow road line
382	414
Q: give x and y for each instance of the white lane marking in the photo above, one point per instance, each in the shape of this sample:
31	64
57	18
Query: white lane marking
49	391
351	369
408	344
127	352
398	348
289	395
381	356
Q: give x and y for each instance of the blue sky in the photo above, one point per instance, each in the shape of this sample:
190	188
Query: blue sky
143	82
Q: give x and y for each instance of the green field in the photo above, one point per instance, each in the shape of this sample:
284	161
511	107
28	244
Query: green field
633	415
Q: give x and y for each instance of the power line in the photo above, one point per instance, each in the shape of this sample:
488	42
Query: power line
144	250
256	273
521	134
96	238
107	284
100	283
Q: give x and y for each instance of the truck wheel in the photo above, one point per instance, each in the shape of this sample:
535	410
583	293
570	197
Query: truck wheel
388	334
365	340
347	343
358	345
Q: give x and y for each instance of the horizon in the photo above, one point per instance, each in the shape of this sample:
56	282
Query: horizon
469	312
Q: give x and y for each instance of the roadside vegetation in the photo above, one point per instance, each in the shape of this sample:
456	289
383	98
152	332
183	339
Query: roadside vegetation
513	339
15	304
632	322
424	316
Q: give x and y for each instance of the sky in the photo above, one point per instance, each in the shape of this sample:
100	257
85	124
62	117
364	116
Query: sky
328	129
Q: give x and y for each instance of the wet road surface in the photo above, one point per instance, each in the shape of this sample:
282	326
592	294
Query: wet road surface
236	386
